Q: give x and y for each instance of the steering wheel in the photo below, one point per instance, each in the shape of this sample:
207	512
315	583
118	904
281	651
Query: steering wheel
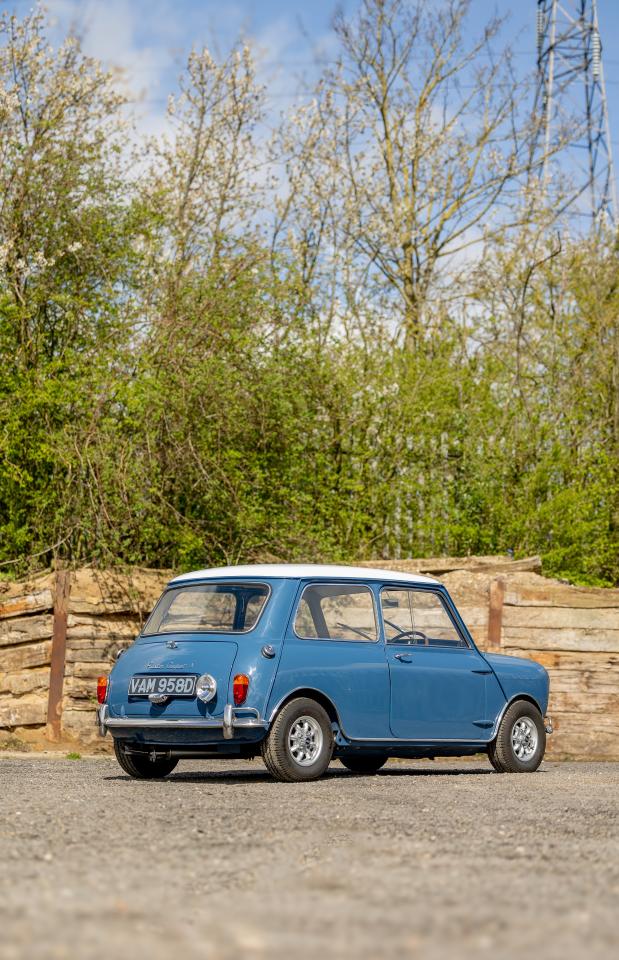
414	635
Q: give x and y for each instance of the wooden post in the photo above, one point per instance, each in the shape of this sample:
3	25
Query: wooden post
59	645
495	613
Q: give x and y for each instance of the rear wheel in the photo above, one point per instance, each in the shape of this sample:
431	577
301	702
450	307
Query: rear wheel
141	766
520	742
366	765
300	742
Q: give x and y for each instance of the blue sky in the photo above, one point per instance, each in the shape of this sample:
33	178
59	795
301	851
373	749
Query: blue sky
151	38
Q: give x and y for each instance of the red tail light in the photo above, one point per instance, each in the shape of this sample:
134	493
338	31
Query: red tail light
240	686
101	689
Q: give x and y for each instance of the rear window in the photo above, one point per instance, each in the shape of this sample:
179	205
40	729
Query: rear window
208	608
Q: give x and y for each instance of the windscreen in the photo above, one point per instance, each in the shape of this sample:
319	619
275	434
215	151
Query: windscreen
208	608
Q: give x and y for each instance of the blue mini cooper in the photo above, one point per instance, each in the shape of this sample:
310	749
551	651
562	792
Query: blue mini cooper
302	664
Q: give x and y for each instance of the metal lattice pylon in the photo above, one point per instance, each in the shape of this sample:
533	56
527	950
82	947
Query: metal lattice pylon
571	106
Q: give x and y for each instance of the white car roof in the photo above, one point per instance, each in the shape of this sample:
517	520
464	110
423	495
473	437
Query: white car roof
303	571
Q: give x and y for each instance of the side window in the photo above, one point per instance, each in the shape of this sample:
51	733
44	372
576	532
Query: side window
418	617
329	611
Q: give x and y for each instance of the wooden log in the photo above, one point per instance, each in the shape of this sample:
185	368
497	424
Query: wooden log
86	703
25	630
577	663
594	641
574	720
591	702
557	618
573	660
26	681
442	565
101	650
92	628
28	603
79	688
585	682
74	646
581	737
27	655
22	711
92	669
59	640
81	725
547	593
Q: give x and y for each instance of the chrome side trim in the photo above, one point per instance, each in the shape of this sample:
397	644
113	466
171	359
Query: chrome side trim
425	740
230	722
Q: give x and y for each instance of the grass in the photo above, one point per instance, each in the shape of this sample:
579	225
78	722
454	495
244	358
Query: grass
74	756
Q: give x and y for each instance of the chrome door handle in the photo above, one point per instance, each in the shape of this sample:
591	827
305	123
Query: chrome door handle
403	657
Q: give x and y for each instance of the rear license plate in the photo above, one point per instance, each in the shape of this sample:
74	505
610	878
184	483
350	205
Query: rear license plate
168	685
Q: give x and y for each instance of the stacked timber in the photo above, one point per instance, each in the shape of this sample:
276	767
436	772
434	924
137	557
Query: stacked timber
104	613
574	633
507	605
26	626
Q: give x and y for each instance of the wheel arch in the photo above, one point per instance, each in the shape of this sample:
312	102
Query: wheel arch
313	694
527	698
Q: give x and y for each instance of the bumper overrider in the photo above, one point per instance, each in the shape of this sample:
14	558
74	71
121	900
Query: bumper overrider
234	718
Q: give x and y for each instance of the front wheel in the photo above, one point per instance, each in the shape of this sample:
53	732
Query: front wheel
520	742
367	765
300	742
140	766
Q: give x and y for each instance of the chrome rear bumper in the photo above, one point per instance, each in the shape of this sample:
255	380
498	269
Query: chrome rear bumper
233	718
548	727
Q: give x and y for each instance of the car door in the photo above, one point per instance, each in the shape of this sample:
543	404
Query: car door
437	679
333	646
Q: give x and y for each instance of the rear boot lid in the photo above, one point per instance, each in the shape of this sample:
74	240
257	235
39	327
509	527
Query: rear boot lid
173	655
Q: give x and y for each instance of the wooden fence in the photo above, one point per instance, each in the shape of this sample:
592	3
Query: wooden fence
59	631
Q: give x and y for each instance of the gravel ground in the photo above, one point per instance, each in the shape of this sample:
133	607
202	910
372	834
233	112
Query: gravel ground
424	860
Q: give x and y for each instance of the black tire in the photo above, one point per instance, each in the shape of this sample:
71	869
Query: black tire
277	752
501	751
141	767
365	765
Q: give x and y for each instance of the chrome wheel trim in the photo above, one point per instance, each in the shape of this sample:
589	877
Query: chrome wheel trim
305	741
524	738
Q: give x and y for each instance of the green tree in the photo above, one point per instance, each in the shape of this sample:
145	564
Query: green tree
66	265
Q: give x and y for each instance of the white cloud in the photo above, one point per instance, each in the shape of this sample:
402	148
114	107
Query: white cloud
113	32
148	42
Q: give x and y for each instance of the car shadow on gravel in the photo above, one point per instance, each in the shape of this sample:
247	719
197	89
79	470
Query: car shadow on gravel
231	777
